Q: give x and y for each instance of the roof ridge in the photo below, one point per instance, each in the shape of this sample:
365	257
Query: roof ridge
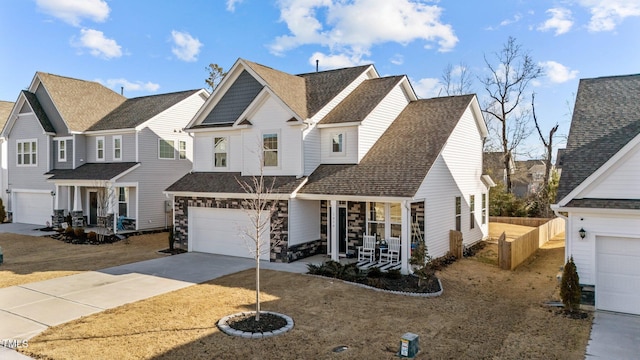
339	69
611	76
164	94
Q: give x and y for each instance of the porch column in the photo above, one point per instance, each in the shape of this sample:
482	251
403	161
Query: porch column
77	201
56	204
405	238
334	231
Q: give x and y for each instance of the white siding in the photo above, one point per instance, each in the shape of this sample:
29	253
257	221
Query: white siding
350	154
456	172
272	117
28	177
304	221
377	122
595	225
620	181
155	175
128	148
203	151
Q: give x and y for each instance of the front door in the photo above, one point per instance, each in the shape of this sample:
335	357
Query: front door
342	230
93	207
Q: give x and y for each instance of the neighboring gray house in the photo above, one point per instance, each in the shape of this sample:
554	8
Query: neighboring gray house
5	111
599	191
351	153
79	148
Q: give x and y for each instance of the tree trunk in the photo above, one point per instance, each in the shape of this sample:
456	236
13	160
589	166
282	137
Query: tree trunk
257	286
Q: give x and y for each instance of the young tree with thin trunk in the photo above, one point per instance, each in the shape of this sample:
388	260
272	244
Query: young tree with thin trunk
260	205
216	73
506	87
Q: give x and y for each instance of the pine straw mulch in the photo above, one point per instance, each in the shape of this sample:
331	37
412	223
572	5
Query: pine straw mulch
484	312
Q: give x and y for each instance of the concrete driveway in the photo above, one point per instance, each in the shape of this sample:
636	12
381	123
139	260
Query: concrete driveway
614	336
24	229
27	310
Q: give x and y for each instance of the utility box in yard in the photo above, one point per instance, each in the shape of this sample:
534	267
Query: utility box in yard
408	345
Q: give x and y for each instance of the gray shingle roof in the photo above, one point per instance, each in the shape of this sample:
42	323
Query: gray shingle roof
136	111
39	111
80	103
606	117
92	171
210	182
5	111
357	105
399	161
323	86
627	204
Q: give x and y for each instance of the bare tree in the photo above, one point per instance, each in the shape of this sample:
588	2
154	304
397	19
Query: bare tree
458	80
260	206
506	85
105	197
216	73
547	142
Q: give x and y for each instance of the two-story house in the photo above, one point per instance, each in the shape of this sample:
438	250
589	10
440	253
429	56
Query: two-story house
5	111
348	153
76	147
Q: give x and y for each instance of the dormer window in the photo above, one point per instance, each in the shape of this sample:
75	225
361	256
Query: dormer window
337	143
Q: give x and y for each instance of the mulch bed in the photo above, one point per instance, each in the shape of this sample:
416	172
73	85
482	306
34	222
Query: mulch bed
173	251
248	323
106	239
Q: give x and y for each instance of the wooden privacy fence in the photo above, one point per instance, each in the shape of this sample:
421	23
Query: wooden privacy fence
512	253
455	243
533	222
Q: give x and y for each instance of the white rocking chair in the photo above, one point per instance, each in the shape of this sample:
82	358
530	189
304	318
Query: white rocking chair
391	255
367	252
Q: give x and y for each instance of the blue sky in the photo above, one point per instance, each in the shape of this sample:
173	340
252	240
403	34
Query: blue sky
152	47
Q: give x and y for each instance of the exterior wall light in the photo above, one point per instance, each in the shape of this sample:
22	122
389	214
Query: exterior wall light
582	233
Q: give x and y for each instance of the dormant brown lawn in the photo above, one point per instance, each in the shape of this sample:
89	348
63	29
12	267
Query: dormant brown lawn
29	258
484	312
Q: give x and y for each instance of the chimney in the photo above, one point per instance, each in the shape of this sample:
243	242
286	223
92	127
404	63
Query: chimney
317	63
122	90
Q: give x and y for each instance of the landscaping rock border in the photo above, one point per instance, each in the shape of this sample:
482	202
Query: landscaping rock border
225	328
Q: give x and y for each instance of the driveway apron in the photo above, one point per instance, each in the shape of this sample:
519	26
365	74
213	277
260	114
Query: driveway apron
614	336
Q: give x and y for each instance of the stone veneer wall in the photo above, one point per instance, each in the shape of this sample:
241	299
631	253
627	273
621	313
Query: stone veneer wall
280	251
356	224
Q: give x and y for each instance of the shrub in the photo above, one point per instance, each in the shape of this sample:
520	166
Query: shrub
393	274
3	213
91	235
79	233
570	286
69	230
374	273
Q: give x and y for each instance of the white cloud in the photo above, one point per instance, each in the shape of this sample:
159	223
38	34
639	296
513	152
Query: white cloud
231	4
186	46
560	21
335	61
558	73
513	20
397	59
72	11
98	44
607	14
428	88
352	27
131	86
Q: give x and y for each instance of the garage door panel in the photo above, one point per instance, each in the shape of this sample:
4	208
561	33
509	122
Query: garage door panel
618	274
32	207
219	231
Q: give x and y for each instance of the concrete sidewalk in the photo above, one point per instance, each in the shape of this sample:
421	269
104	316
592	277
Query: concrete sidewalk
27	310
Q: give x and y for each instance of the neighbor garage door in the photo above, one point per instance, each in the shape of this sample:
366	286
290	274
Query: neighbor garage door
32	207
618	274
218	231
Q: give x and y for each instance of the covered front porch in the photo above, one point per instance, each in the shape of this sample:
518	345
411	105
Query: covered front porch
346	223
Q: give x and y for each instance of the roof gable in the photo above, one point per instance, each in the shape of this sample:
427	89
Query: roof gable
357	105
606	118
135	111
80	103
5	111
399	161
33	102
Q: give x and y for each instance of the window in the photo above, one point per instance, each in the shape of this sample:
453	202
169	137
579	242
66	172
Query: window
117	147
62	150
458	213
484	209
395	217
337	143
220	152
123	200
472	211
270	147
100	148
166	149
27	153
182	149
376	220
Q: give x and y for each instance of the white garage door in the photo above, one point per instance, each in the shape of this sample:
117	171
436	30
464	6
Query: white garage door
618	278
218	231
32	208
